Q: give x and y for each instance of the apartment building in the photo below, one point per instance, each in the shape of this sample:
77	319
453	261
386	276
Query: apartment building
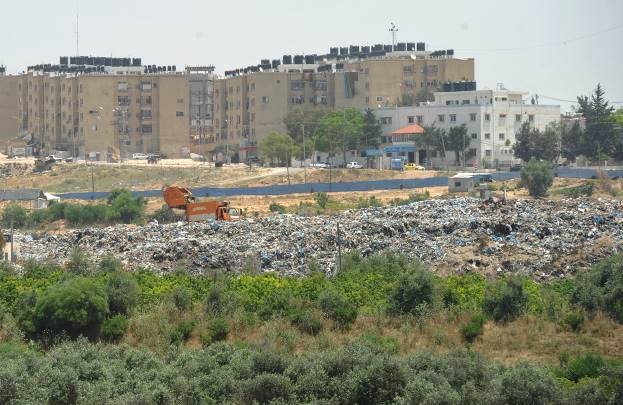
8	108
252	102
104	112
201	103
492	118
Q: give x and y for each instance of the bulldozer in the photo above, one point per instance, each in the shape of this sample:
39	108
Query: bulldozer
182	199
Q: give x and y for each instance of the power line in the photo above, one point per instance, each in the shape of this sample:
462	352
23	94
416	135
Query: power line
547	44
574	101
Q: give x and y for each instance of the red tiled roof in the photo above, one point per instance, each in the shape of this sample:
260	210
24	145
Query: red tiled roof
409	129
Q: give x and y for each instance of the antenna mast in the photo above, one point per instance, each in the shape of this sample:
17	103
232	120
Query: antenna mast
393	29
77	32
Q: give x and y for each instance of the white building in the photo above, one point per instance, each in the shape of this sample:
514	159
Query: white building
492	117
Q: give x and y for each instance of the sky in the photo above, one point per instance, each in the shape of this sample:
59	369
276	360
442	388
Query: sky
556	49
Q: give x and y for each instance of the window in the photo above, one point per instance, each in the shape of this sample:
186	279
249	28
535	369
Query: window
472	117
433	153
452	117
501	137
145	100
502	116
441	118
474	136
180	101
265	99
472	152
487	136
448	102
457	184
487	117
464	102
518	117
123	100
320	85
531	117
379	98
145	113
146	129
121	86
411	119
297	85
488	152
145	86
420	119
386	120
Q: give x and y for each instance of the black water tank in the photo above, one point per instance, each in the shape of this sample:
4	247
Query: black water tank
377	47
344	50
410	46
420	46
353	49
339	66
365	49
450	52
388	48
298	59
64	60
334	51
287	59
276	63
401	46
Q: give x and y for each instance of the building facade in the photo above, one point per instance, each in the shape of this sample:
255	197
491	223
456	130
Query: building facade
252	102
492	118
8	108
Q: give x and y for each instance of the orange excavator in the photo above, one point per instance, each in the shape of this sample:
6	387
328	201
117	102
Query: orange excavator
181	198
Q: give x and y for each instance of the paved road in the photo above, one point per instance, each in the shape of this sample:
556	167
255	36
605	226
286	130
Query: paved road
390	184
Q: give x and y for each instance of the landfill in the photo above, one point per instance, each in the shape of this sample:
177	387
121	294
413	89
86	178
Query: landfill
541	238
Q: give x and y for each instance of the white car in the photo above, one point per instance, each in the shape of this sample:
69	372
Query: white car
354	165
139	156
319	165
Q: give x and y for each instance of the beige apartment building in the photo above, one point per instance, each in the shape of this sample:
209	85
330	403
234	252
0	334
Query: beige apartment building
8	108
107	115
249	105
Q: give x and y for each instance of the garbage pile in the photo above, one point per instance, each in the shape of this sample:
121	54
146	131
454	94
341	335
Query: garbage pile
15	169
543	239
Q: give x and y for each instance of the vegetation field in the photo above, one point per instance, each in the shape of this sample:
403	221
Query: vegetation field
383	330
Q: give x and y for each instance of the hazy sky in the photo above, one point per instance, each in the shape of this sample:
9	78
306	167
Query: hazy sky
557	49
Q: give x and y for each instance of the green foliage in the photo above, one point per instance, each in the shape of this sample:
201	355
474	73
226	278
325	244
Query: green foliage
338	308
298	118
264	389
306	322
602	288
457	140
278	208
537	177
579	191
473	328
122	207
113	329
601	137
75	307
322	199
79	263
164	215
528	384
14	215
588	365
182	332
372	201
109	264
277	148
123	291
532	143
414	292
574	321
413	197
506	299
181	298
339	131
371	136
219	329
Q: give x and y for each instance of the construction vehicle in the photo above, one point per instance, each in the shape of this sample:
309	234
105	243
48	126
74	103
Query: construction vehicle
181	198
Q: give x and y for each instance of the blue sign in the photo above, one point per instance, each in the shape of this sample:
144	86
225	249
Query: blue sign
399	149
374	152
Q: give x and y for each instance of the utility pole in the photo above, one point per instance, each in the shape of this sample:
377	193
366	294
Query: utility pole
393	29
92	183
339	247
304	155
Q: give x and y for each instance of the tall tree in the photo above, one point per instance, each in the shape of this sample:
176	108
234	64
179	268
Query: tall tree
532	143
339	131
571	141
457	141
371	130
301	119
601	136
431	139
278	148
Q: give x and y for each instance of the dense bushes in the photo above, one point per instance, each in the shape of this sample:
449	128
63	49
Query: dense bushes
537	177
121	207
602	288
414	292
506	299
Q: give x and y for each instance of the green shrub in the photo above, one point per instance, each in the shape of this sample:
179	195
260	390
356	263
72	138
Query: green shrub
528	384
473	328
109	264
278	208
322	199
79	263
506	299
588	365
182	332
75	307
125	208
14	215
164	215
537	177
122	290
264	389
338	308
181	298
306	322
268	362
602	288
414	291
574	321
376	383
113	329
219	328
220	300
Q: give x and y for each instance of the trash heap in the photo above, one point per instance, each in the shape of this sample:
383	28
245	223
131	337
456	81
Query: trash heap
543	239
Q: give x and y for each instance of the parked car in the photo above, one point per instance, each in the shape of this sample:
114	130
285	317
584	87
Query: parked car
139	156
413	166
354	165
319	165
54	158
